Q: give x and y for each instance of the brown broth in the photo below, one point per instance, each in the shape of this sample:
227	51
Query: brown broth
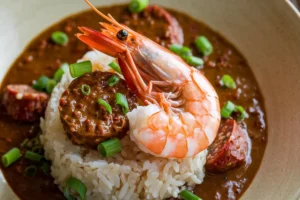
42	57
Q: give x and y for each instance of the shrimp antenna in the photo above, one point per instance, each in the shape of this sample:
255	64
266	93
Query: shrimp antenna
108	18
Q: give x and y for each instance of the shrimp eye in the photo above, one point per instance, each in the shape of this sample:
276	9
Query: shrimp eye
122	35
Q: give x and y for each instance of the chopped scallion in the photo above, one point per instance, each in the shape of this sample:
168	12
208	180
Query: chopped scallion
37	149
60	72
10	157
137	6
187	195
24	143
41	83
185	51
227	109
79	69
113	80
30	155
228	82
78	186
105	105
115	66
31	171
203	45
45	168
122	101
60	38
50	86
194	61
241	110
110	147
175	48
85	89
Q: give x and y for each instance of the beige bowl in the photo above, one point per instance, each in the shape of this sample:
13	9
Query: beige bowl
266	32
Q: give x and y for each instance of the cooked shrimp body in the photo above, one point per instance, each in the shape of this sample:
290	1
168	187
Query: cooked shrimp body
181	115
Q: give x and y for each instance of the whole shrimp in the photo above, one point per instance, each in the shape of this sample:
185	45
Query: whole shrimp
182	113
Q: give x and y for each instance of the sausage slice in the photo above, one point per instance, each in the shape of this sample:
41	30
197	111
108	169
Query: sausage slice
157	24
229	149
24	103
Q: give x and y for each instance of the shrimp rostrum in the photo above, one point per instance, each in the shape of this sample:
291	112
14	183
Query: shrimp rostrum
181	115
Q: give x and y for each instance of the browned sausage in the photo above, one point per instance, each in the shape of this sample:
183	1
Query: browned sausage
229	149
24	103
157	24
85	121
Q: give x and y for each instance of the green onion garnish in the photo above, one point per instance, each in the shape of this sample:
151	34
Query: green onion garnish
137	6
41	83
113	80
50	86
187	195
10	157
76	185
37	149
194	61
228	82
115	66
122	101
185	51
203	45
227	109
79	69
85	89
45	168
241	110
110	147
105	105
60	72
30	155
60	38
175	48
30	171
24	143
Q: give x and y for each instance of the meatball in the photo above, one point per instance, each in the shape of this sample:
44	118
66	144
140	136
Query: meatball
157	24
85	121
24	103
229	149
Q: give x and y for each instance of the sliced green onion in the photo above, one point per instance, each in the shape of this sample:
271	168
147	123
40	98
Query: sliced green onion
24	143
110	147
175	48
60	38
242	111
85	89
30	155
122	101
37	149
115	66
76	185
228	82
227	109
187	195
10	157
45	168
194	61
113	80
203	45
185	51
50	86
105	105
60	72
79	69
137	6
30	171
41	83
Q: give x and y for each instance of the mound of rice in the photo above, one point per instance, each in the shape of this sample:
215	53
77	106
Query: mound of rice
131	175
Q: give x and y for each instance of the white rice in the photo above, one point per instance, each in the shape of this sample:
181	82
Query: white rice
131	175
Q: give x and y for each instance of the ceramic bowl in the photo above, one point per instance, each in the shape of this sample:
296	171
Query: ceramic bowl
266	32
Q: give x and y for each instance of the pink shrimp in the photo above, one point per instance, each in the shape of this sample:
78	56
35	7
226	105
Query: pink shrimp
182	113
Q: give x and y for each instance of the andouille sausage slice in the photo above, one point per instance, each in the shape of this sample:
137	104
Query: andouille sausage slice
24	103
157	24
229	149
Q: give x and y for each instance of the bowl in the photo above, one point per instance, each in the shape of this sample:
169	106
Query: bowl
267	34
